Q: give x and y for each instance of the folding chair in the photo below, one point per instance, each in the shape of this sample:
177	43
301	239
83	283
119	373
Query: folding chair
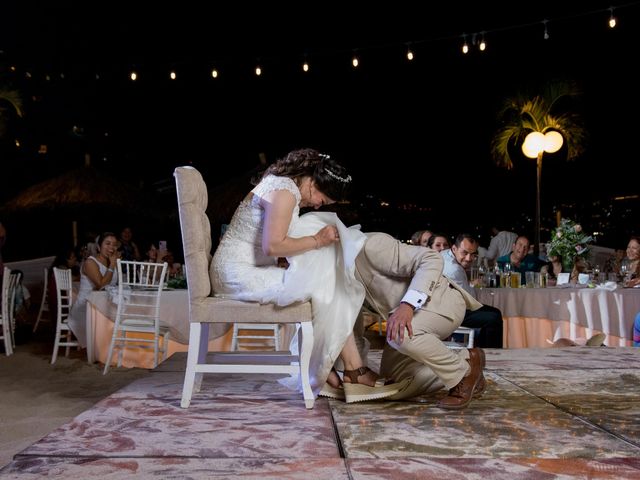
64	296
44	303
140	287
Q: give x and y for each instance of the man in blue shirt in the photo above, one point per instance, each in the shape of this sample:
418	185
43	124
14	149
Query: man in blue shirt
520	259
457	260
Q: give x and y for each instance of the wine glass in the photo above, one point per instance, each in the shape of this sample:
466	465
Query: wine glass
624	269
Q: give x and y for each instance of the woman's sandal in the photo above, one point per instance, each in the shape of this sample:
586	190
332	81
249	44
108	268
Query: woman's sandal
358	392
333	392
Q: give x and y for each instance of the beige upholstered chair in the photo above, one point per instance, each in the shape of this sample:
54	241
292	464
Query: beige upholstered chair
205	309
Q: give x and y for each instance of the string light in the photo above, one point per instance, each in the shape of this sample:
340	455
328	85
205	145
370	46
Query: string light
409	53
612	19
483	44
475	39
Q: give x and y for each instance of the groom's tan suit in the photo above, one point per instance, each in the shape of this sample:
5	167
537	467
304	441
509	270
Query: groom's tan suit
388	269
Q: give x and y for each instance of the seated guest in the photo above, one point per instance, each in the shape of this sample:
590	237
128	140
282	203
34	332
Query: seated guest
520	259
500	243
128	248
457	260
438	241
95	274
633	257
421	237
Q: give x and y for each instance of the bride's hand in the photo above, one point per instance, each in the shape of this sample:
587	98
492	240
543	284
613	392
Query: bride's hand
327	235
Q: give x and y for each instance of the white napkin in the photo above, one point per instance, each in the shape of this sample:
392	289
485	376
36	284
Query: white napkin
611	286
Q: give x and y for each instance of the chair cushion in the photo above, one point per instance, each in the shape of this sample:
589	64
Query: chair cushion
220	310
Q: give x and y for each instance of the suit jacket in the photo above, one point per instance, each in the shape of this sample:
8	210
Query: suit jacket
388	268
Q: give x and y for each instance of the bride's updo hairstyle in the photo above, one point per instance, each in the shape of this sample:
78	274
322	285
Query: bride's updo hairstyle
329	177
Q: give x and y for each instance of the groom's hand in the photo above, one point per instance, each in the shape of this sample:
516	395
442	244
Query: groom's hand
399	320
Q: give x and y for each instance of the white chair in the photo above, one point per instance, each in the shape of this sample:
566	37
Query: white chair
140	287
244	336
64	296
468	336
44	303
205	309
6	310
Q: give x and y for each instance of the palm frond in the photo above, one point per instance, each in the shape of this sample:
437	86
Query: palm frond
13	98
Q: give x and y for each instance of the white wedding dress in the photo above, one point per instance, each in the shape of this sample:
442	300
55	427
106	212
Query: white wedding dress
242	271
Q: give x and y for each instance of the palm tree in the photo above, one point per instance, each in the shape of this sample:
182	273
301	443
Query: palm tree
548	111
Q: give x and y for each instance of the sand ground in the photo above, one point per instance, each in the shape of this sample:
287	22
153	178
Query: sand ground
37	397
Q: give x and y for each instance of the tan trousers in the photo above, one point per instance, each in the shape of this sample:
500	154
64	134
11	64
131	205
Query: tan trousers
424	356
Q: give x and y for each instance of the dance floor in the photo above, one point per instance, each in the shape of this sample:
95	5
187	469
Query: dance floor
547	413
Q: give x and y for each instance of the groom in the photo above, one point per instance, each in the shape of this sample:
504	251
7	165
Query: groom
405	285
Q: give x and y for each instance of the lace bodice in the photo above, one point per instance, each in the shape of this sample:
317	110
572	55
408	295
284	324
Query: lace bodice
239	268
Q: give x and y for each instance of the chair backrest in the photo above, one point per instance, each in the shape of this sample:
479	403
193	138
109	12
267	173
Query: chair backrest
64	292
11	281
4	298
196	238
140	287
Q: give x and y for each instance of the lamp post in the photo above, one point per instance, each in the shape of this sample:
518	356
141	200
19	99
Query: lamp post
534	146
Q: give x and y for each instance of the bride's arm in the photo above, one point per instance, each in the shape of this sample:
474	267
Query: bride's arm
278	208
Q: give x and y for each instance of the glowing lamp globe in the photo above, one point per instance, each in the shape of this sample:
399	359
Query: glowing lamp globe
533	144
553	141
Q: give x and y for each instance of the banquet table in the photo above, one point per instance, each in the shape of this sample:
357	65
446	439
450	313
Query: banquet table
534	317
174	314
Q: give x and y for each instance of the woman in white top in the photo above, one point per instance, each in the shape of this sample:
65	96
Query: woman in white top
265	226
95	274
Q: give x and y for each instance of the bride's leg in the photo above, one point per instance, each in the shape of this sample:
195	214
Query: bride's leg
352	361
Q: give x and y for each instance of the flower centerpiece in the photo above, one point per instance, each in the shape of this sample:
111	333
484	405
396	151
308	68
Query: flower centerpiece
570	243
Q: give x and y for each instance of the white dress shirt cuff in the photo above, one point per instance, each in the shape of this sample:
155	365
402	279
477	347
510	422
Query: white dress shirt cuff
415	298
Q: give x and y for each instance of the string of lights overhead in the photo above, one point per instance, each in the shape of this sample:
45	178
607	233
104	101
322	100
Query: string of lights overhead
474	41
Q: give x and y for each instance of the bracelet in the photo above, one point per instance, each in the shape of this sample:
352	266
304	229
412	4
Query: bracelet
317	243
112	270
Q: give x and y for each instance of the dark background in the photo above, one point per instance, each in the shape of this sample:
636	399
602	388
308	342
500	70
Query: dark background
415	135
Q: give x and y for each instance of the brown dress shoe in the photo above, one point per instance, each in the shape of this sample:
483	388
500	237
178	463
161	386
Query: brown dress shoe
460	396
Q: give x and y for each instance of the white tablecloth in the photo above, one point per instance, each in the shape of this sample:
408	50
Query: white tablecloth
533	315
174	314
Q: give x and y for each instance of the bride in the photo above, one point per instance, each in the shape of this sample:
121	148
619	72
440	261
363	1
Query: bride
321	253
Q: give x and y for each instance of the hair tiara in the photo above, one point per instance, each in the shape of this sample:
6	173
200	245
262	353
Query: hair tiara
337	177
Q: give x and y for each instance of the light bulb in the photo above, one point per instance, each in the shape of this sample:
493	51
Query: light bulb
533	144
409	54
214	73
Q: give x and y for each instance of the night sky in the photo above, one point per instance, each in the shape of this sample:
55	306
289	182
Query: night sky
417	132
